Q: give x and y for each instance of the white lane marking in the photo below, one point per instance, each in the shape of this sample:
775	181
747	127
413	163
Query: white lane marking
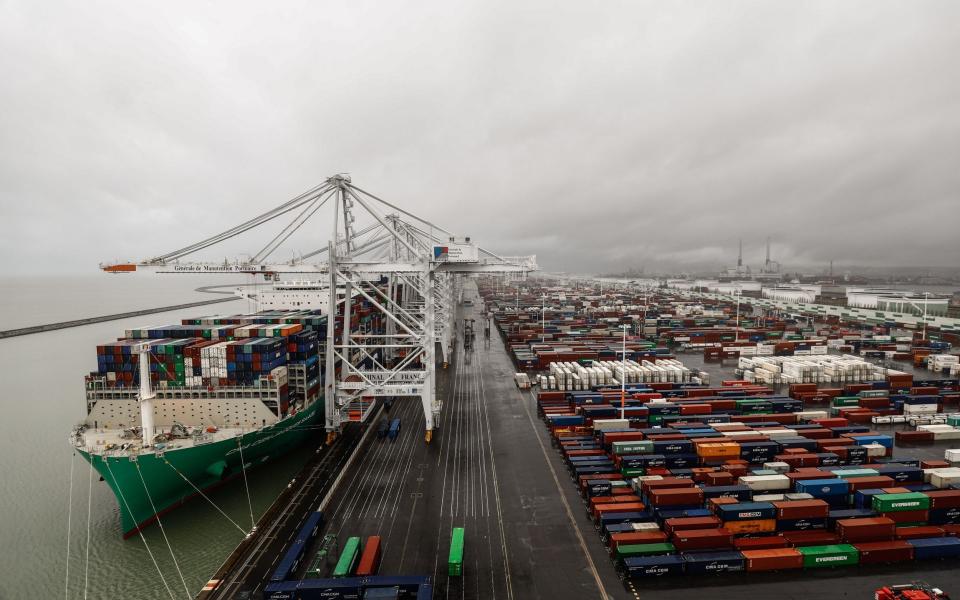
496	493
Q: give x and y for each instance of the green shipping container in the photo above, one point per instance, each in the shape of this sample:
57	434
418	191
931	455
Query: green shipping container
627	550
851	473
838	555
899	502
631	472
953	420
846	401
642	447
455	562
347	563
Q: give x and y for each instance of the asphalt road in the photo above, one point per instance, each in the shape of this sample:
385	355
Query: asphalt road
489	469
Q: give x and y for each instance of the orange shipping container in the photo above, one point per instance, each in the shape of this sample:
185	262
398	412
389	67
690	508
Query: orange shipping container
754	526
719	450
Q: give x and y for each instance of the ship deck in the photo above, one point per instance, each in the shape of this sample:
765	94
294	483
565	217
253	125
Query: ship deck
97	441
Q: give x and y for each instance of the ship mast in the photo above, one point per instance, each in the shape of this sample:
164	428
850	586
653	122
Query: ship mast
146	394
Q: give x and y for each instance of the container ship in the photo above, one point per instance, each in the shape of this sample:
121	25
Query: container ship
173	411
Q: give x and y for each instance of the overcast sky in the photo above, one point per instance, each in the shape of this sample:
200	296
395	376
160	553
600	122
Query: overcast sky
598	135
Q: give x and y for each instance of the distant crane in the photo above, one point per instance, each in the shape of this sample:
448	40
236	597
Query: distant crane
395	262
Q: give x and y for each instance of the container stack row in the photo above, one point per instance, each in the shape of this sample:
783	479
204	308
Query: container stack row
778	491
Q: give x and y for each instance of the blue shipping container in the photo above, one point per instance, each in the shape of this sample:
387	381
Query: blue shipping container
942	547
800	524
653	566
823	487
697	563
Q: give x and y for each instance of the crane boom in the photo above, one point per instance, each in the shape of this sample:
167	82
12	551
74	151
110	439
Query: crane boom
396	265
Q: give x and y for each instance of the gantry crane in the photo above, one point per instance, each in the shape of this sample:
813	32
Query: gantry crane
405	267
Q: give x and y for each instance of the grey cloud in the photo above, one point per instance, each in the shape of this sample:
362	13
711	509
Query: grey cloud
598	136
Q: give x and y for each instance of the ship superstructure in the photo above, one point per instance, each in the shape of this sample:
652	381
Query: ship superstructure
302	295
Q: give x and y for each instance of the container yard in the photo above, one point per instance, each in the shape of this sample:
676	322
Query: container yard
807	453
651	461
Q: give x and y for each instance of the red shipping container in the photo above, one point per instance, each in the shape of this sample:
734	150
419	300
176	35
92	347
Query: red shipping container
702	539
685	523
884	552
798	460
719	478
816	537
829	423
774	559
637	537
944	498
594	452
676	497
908	516
622	436
913	533
667	482
802	509
869	483
713	503
618	507
913	437
816	434
832	442
598	500
698	474
759	543
866	530
934	464
370	558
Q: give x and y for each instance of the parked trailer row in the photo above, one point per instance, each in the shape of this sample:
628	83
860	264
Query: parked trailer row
294	554
351	588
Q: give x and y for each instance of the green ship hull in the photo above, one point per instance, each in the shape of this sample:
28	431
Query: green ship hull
173	477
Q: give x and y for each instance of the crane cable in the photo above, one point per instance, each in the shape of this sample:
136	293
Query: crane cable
163	531
86	564
139	531
284	208
198	489
205	497
243	468
315	204
263	218
66	583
